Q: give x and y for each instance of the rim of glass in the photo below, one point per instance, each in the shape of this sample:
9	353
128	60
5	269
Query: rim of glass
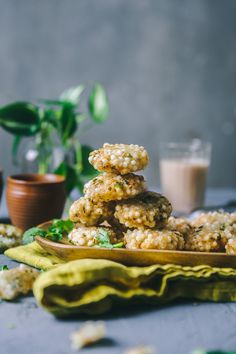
190	147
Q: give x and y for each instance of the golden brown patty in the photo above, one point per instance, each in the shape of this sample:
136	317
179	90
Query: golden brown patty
180	225
119	158
16	281
153	239
90	213
213	230
148	210
89	236
109	186
10	236
204	239
231	246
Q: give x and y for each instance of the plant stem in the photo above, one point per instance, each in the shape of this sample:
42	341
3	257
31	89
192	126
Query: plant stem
42	167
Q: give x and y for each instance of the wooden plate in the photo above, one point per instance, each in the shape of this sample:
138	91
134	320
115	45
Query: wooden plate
68	252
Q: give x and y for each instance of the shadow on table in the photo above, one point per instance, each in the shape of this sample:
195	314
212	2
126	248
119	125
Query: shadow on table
5	221
132	311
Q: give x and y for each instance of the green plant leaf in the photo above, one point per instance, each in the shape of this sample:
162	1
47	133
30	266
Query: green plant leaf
80	117
98	104
88	170
52	102
78	156
15	146
72	95
70	175
68	122
20	118
80	184
50	116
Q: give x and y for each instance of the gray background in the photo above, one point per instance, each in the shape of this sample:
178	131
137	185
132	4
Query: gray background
169	67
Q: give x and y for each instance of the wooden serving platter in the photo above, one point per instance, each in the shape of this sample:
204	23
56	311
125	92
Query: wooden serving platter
68	252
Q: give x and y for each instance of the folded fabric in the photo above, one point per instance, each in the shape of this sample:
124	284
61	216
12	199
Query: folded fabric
90	286
33	255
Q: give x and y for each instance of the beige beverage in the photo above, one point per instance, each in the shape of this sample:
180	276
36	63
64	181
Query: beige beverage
183	181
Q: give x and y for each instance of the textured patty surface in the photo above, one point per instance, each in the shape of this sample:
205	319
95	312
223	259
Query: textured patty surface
10	236
147	210
212	231
16	281
153	239
110	186
231	246
119	158
180	225
90	213
89	236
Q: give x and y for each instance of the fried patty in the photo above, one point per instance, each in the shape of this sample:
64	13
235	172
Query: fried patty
119	158
212	231
180	225
153	239
110	186
90	213
231	246
147	210
10	236
89	236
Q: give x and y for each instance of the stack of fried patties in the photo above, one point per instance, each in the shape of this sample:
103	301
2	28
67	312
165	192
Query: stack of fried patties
117	200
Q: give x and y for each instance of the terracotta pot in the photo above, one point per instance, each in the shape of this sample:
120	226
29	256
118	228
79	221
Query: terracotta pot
33	199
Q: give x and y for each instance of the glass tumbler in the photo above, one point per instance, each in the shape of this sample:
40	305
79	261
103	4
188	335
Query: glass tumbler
183	171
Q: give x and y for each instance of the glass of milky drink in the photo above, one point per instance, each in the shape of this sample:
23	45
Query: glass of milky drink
183	172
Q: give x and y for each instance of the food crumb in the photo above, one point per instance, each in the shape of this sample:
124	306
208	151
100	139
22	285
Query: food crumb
141	349
16	281
90	332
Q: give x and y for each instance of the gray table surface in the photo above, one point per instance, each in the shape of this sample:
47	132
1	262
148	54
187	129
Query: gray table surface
177	328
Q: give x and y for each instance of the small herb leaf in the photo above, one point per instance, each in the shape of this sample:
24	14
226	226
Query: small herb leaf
3	267
104	240
55	232
30	234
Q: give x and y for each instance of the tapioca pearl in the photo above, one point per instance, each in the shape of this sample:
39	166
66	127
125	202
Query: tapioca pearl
81	241
90	237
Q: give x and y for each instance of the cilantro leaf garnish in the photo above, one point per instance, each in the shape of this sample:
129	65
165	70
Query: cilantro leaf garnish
30	234
118	185
55	232
3	267
104	241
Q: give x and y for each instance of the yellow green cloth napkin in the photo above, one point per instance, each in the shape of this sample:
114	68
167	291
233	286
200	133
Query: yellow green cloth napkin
33	255
90	286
